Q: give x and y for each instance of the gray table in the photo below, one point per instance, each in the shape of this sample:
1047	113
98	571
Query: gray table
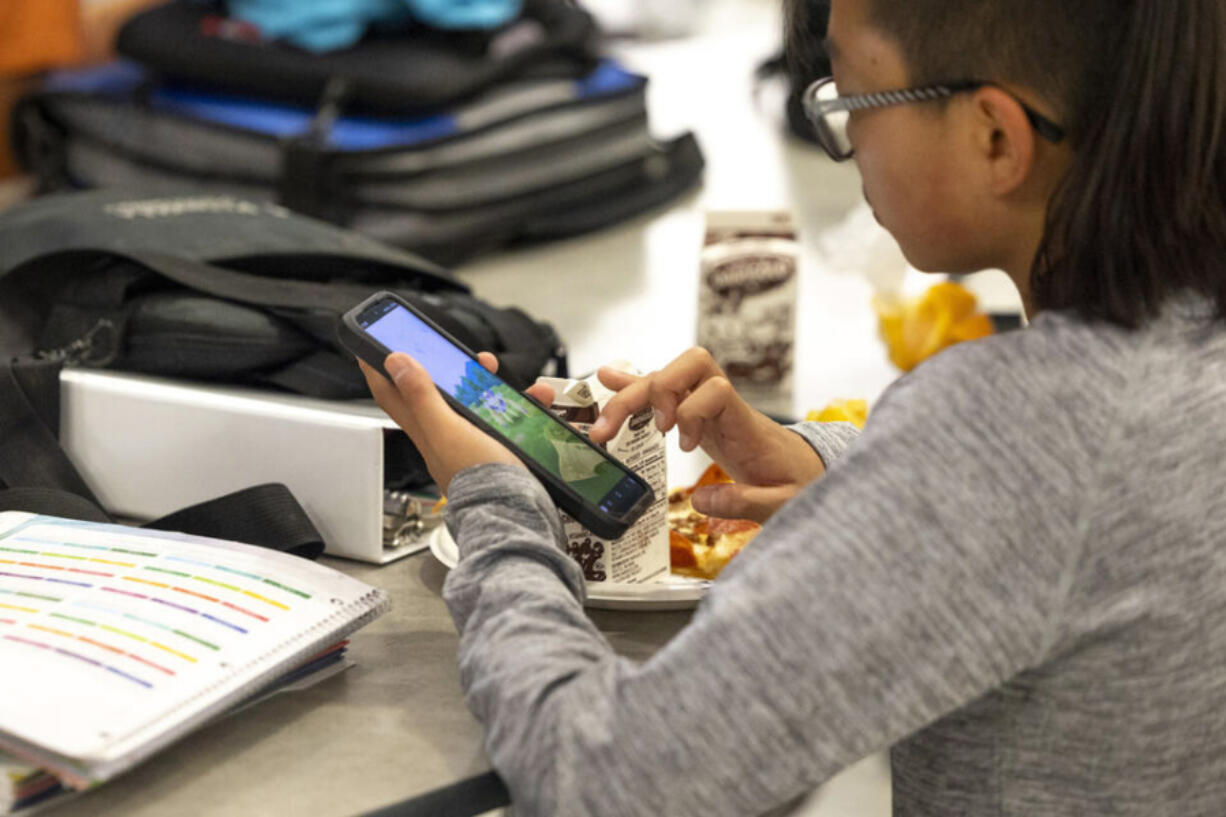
390	728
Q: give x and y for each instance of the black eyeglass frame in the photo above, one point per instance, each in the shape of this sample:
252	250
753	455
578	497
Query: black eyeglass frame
817	109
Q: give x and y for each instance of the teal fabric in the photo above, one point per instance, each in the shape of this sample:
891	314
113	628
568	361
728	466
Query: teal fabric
330	25
480	14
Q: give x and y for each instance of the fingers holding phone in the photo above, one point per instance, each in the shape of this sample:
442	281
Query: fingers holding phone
475	417
448	442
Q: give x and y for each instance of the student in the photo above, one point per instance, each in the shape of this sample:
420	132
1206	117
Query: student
1016	576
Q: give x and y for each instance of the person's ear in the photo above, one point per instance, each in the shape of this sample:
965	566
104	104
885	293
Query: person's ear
1004	138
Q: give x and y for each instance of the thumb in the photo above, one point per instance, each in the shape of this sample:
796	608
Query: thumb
731	500
424	406
543	393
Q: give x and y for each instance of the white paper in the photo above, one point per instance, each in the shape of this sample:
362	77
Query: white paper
109	637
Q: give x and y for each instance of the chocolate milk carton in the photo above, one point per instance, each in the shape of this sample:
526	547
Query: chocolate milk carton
641	554
747	301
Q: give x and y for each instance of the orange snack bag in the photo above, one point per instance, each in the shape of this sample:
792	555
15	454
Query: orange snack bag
916	330
841	411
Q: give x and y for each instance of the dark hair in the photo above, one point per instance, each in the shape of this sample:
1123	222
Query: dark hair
1140	88
803	51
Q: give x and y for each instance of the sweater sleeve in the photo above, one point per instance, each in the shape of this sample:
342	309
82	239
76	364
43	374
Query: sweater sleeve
923	571
829	440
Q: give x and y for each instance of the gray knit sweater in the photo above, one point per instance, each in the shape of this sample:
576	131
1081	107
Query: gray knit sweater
1015	577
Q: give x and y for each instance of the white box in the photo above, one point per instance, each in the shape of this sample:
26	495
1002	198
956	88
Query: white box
148	446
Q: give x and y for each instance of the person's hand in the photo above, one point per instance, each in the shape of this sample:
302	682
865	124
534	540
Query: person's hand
769	463
448	442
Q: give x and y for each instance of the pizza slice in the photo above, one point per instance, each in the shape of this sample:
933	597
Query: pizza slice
700	545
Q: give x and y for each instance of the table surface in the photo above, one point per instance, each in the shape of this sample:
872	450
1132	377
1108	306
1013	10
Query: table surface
387	729
395	725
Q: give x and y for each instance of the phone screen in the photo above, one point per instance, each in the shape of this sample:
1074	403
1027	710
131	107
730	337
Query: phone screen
535	432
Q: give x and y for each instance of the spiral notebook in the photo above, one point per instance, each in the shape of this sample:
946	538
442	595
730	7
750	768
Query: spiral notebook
116	641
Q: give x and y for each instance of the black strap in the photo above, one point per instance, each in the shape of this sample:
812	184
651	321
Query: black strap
52	502
306	183
37	476
266	515
259	290
30	453
467	798
320	303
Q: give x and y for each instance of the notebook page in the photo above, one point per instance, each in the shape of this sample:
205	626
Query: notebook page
107	633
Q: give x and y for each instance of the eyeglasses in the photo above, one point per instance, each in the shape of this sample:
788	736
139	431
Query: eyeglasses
828	112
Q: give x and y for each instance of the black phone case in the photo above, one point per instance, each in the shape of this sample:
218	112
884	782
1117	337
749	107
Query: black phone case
355	340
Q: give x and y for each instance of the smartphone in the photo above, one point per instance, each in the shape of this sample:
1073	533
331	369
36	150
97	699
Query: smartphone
604	495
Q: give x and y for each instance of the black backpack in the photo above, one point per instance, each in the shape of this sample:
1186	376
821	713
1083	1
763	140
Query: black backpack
223	288
213	288
421	139
418	70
